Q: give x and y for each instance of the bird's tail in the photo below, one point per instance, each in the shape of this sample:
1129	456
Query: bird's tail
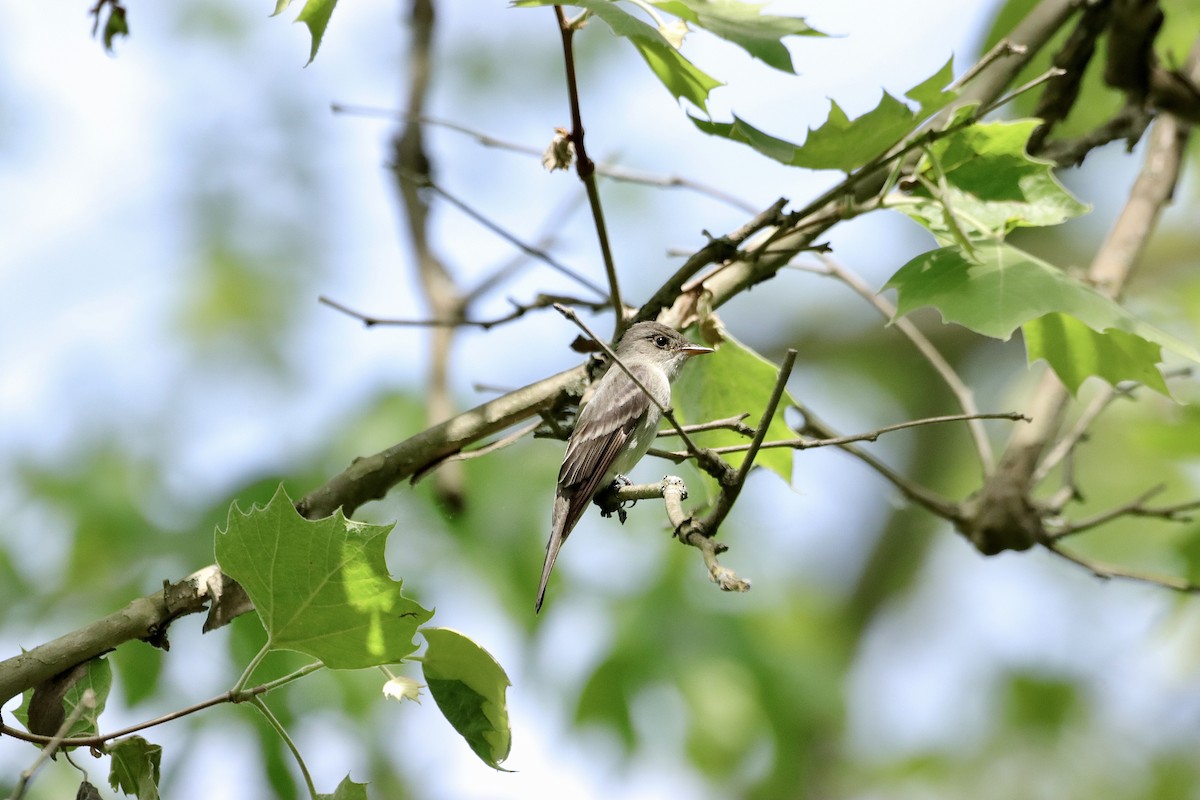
558	535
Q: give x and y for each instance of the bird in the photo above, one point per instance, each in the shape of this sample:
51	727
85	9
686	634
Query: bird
614	430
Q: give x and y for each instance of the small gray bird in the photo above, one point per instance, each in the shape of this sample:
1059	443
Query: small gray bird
615	429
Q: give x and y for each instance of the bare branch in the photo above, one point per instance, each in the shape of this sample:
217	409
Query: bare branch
1002	514
731	488
734	424
623	174
586	169
674	492
918	494
1179	512
550	229
1107	571
1129	124
962	393
519	310
503	233
53	743
412	168
806	443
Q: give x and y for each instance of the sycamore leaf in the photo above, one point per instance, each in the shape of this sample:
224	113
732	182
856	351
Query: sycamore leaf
682	78
469	687
1004	288
845	144
315	15
840	142
745	25
931	94
993	185
731	381
135	767
741	131
45	707
320	587
1076	352
346	790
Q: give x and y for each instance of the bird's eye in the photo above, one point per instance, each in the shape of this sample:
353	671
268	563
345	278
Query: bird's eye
661	341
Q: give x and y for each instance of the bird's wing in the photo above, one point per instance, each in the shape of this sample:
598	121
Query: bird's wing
602	431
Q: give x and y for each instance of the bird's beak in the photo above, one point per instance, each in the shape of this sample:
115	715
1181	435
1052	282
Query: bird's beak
694	350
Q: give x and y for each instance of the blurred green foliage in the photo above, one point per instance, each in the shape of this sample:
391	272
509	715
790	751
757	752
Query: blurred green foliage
759	688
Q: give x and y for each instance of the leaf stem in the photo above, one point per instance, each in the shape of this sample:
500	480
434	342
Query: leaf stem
240	686
258	703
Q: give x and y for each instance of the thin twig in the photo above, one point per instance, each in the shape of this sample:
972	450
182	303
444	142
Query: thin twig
505	234
1129	124
1134	508
548	235
1106	571
1029	85
930	500
731	486
587	170
806	443
498	444
999	50
1067	443
519	310
719	249
617	173
226	697
764	422
87	702
734	424
961	391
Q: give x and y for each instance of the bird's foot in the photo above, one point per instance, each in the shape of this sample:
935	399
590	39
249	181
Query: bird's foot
608	503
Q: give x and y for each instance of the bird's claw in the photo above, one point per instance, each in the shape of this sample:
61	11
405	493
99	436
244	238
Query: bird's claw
609	505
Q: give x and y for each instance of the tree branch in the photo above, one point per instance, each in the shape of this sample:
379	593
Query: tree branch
673	492
587	170
962	393
1002	515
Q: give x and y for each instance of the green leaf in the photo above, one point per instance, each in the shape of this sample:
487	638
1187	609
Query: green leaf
840	142
1076	352
1005	288
320	587
116	25
741	131
745	25
315	15
732	381
135	767
993	184
845	144
469	687
681	77
347	790
931	94
48	705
